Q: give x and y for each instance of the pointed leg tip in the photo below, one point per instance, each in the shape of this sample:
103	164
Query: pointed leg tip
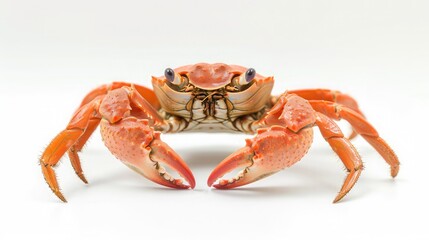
60	196
394	171
82	177
338	197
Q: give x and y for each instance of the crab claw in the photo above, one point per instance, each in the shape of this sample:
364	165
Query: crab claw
272	150
162	154
139	147
243	158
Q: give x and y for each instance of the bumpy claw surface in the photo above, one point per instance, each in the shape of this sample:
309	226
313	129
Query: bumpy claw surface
272	150
139	147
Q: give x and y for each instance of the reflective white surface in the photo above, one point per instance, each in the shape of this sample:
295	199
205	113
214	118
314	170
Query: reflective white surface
52	54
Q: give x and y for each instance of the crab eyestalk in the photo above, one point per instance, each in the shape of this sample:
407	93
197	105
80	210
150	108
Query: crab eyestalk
175	78
246	77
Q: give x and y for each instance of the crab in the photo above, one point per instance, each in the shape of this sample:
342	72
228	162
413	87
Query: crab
213	98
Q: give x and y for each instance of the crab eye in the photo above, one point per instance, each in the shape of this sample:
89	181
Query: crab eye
250	74
169	74
172	77
247	77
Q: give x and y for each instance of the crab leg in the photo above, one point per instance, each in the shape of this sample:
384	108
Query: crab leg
77	147
104	89
362	127
328	95
332	96
345	150
63	141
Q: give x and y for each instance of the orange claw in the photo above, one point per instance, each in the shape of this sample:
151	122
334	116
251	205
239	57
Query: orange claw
139	147
162	153
272	150
134	141
243	158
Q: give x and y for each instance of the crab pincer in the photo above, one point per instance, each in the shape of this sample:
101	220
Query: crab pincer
139	147
272	150
135	142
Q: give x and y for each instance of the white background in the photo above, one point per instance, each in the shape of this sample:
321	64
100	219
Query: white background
53	52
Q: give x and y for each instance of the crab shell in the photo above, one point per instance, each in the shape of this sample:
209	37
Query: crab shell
210	78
